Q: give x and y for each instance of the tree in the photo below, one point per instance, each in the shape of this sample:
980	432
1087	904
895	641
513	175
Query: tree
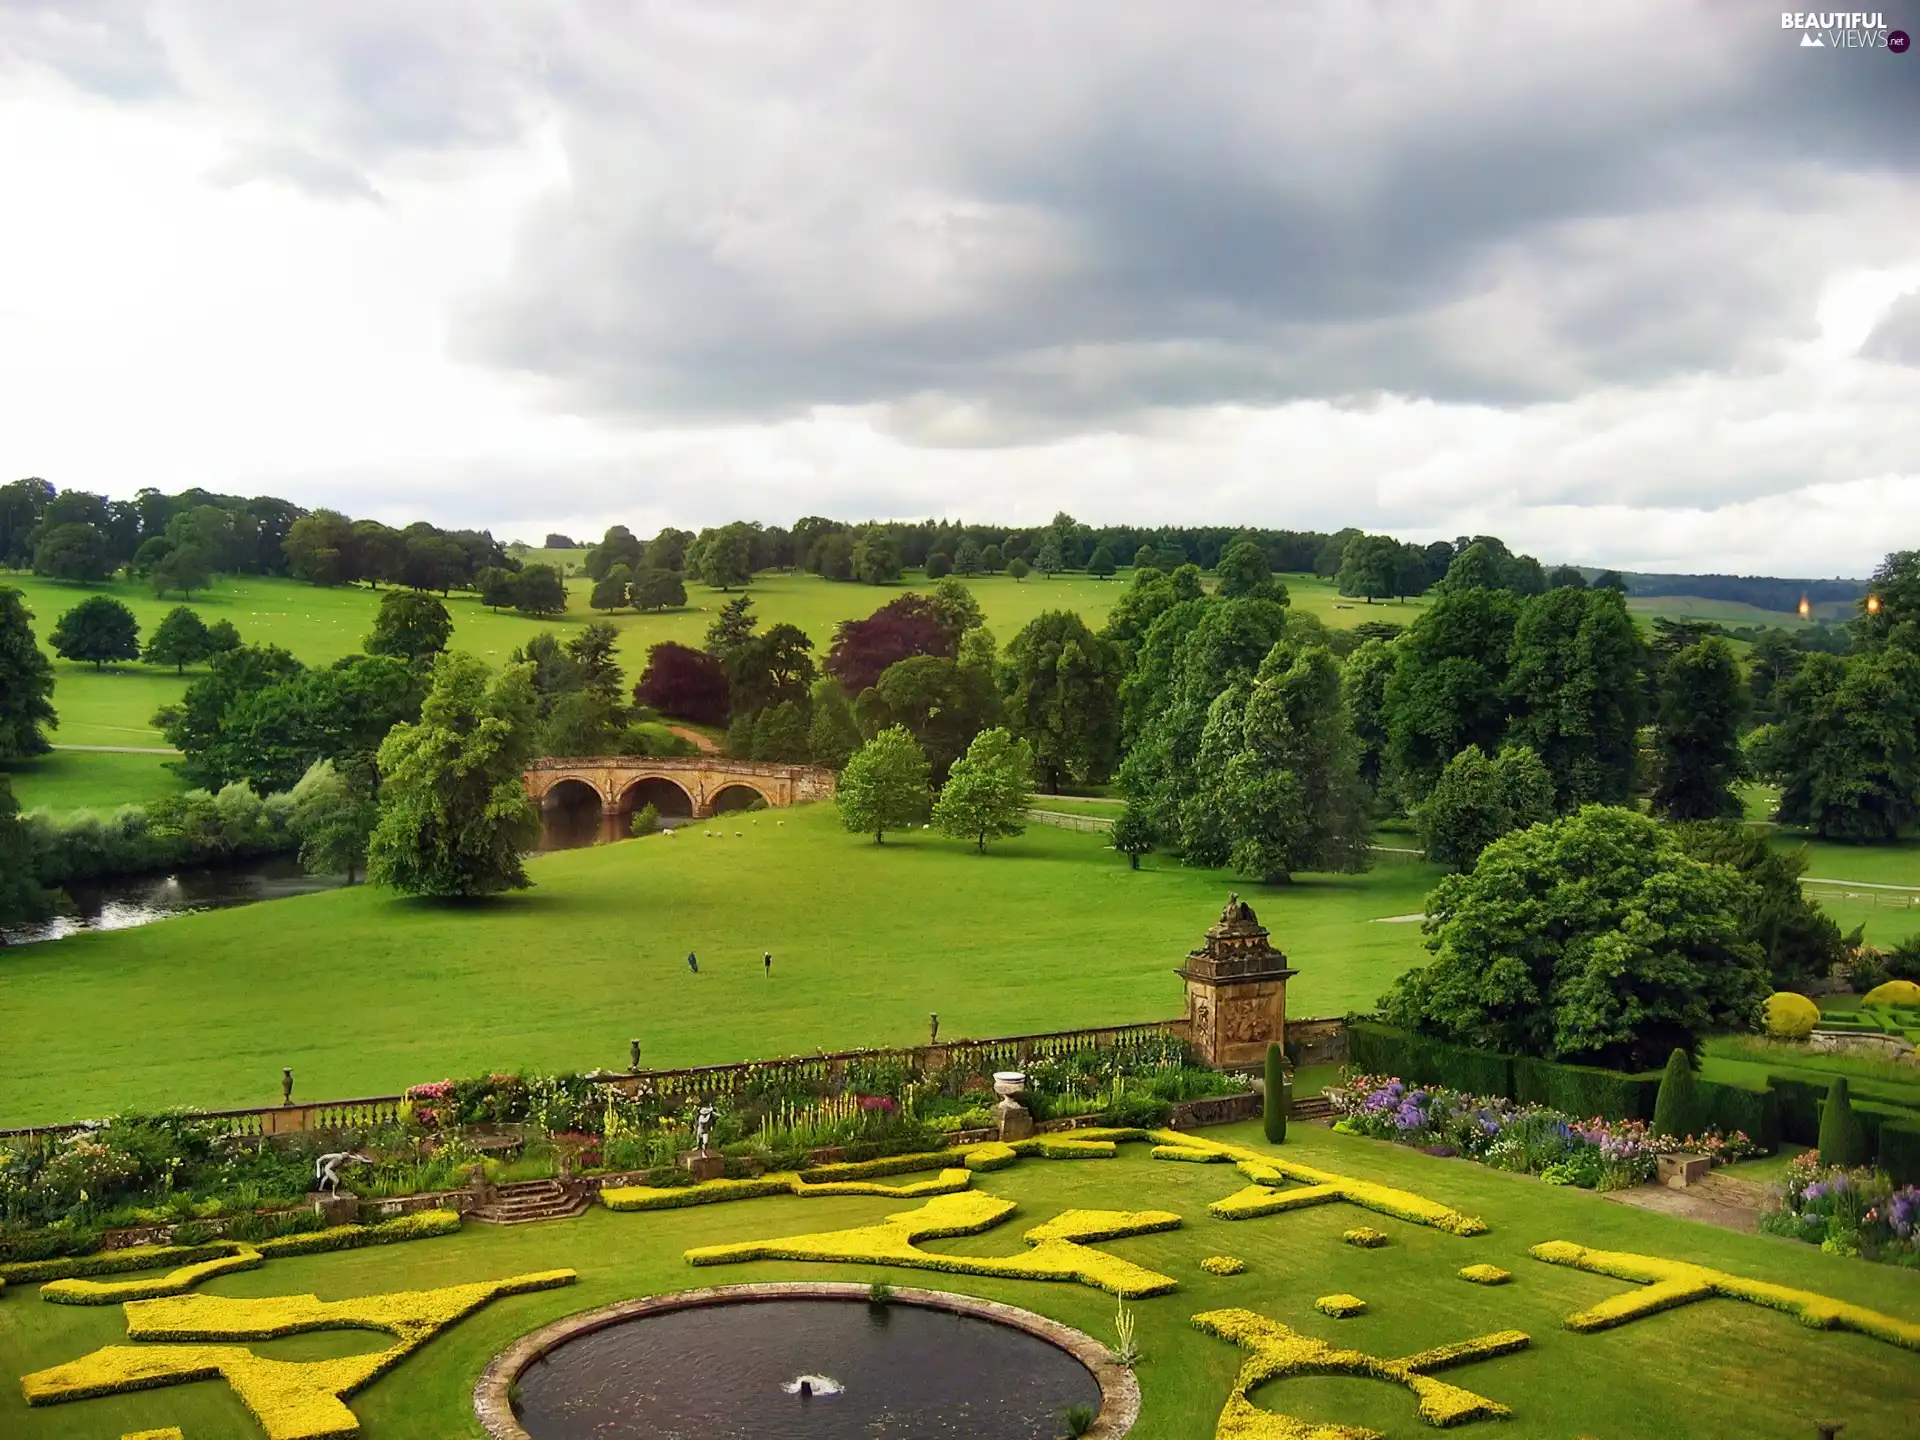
723	558
22	899
1274	1099
876	558
832	734
1800	940
1676	1106
1892	603
1610	580
1145	559
685	683
1846	750
1363	684
319	546
200	726
957	609
1477	800
1842	1139
98	629
732	628
1368	566
594	650
1573	692
780	734
579	722
411	626
610	593
1281	790
183	568
1100	564
26	682
495	586
180	639
1132	835
992	560
334	812
988	790
539	590
71	552
1048	562
1018	569
1697	738
884	785
905	626
1448	687
1594	939
379	552
969	558
1565	577
657	590
619	546
938	566
1474	568
942	703
1062	689
454	815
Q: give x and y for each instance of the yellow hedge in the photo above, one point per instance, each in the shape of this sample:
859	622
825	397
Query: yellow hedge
172	1432
1894	992
991	1155
1278	1352
783	1182
112	1262
1060	1246
1223	1265
1671	1283
1341	1306
1486	1274
174	1282
1318	1187
1190	1155
1790	1016
293	1400
1365	1237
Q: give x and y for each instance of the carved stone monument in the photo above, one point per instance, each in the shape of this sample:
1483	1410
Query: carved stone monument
1236	990
703	1162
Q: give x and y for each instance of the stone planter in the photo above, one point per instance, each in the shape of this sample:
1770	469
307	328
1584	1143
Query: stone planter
1681	1170
1009	1084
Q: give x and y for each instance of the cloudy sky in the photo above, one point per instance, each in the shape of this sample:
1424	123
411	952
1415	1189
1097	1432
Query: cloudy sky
1634	284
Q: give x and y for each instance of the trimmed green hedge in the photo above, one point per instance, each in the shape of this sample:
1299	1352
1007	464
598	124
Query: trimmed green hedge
1727	1108
1584	1091
1382	1050
1900	1150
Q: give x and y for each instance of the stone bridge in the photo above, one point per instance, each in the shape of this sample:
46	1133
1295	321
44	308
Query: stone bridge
617	787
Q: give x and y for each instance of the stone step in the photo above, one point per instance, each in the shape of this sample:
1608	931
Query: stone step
1311	1107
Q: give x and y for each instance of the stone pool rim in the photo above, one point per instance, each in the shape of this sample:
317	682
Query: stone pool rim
1119	1390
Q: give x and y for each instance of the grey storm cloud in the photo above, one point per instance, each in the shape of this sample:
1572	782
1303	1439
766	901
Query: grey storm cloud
1897	336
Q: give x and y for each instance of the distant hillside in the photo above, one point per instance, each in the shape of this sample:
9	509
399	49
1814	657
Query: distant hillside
1765	592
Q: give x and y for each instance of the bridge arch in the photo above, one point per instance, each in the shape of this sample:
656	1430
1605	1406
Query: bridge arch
690	786
570	814
667	795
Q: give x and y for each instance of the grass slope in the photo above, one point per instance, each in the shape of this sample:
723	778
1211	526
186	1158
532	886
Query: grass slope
1717	1367
364	993
78	780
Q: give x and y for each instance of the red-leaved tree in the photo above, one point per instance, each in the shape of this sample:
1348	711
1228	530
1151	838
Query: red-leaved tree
903	627
685	683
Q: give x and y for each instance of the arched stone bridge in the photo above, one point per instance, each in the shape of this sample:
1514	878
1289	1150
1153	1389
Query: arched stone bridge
697	786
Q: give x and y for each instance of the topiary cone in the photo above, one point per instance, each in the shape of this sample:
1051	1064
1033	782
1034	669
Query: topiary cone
1842	1141
1676	1109
1273	1111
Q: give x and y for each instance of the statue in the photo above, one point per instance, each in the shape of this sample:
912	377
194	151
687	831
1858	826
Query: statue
326	1170
703	1119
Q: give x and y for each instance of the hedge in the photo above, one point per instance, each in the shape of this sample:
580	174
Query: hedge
1727	1108
1900	1151
1380	1049
1583	1090
1800	1101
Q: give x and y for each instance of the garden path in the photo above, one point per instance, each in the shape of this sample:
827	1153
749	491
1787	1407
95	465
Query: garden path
1717	1200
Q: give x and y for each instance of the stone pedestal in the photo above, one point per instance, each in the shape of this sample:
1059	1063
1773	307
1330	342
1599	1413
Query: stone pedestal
1236	991
336	1207
1013	1120
1680	1171
703	1165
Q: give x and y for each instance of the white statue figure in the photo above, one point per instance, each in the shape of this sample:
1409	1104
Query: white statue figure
326	1170
703	1119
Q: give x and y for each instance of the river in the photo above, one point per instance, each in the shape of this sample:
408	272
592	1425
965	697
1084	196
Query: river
121	904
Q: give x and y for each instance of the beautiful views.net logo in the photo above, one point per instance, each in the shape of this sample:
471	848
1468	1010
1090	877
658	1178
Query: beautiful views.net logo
1844	30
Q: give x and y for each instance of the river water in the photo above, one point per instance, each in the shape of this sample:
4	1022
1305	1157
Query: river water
121	904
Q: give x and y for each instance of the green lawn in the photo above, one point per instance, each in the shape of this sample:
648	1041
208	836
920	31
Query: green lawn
1718	1367
78	780
363	993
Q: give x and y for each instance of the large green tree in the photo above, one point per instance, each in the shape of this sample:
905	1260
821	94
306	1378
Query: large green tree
334	811
26	682
1369	566
97	630
988	791
1281	789
1363	683
1697	739
539	590
1801	941
1594	939
411	626
1244	572
884	785
1477	800
1448	689
655	589
454	816
1846	751
943	703
832	733
180	639
1061	683
1573	688
184	568
73	551
22	898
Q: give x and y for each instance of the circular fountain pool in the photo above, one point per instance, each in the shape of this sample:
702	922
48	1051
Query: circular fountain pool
728	1365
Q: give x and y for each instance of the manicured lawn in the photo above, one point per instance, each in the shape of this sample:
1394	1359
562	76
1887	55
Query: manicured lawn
79	780
1718	1367
364	993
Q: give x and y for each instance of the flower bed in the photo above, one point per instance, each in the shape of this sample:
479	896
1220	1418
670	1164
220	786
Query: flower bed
1594	1154
1846	1211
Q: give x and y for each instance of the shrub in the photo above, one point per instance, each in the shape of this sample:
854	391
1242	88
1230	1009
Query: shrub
1273	1109
1382	1050
1893	992
1223	1264
1842	1142
1341	1307
1790	1016
1486	1274
1364	1237
1676	1110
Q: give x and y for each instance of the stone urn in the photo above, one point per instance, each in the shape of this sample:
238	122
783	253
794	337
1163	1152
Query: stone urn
1011	1119
1009	1084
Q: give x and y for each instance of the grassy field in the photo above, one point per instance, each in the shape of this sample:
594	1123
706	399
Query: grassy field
82	780
1717	1367
364	993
